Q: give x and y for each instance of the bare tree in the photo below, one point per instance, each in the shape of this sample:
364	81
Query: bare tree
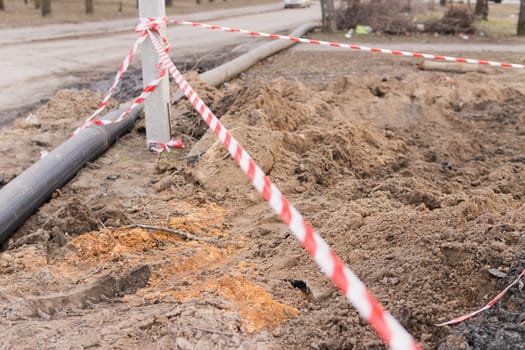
169	2
521	20
442	3
2	7
328	16
45	7
89	6
482	9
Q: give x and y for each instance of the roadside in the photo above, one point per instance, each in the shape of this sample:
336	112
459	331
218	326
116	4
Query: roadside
414	177
42	67
19	35
423	45
18	14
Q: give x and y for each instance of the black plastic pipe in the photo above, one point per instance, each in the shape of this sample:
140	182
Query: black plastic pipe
21	197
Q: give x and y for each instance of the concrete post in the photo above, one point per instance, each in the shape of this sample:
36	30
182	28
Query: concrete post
156	106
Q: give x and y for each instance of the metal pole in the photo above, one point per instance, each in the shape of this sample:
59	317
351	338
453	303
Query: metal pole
156	106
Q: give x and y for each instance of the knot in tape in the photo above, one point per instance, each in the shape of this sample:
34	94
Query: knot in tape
159	147
150	23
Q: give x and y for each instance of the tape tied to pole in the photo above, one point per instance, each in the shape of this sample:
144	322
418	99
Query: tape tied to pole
388	328
159	147
146	92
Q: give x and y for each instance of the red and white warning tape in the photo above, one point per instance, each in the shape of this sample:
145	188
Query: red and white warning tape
486	307
159	147
122	69
354	290
150	21
154	146
138	101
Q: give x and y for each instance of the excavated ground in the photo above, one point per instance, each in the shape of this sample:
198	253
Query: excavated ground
415	178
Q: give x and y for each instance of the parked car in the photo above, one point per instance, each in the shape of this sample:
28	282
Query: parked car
297	3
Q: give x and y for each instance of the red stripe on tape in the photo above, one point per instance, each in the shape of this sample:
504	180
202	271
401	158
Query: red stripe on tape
353	47
339	275
486	307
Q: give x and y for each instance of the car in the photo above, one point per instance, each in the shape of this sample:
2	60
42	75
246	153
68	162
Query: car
496	1
297	3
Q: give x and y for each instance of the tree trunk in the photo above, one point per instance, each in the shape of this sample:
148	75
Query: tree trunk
432	5
37	4
45	7
482	9
443	3
521	20
2	7
485	12
89	6
328	16
169	3
479	7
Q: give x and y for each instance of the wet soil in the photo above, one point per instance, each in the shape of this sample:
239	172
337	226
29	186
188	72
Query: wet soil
414	178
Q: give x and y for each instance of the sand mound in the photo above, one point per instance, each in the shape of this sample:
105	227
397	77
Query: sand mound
278	122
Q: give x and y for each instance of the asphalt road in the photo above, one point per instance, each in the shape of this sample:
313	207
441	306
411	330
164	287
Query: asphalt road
34	64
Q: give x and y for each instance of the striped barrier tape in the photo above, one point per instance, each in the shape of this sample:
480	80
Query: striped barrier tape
118	77
353	289
159	147
156	21
488	306
137	102
154	146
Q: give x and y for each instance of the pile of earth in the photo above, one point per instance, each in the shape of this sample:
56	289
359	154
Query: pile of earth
414	178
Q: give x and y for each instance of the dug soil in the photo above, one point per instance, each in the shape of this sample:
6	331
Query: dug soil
416	179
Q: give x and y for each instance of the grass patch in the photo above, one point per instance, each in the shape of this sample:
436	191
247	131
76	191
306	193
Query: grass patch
497	27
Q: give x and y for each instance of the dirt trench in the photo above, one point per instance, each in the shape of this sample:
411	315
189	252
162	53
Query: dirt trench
414	178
